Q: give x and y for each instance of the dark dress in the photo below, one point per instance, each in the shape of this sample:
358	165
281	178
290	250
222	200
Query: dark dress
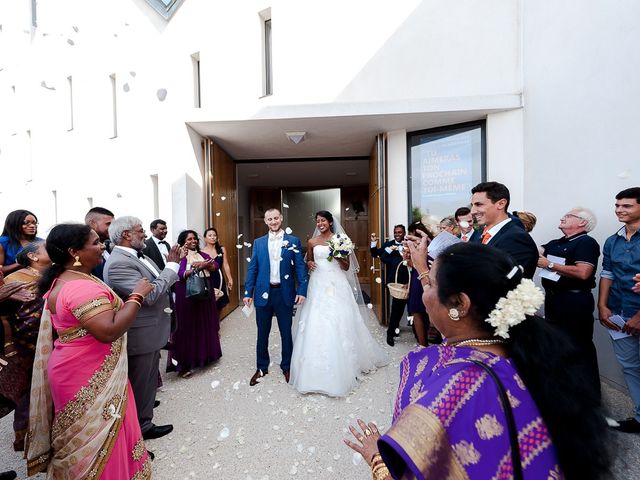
196	340
218	280
414	303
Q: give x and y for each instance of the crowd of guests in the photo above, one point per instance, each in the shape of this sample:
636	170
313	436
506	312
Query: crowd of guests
469	289
504	394
81	391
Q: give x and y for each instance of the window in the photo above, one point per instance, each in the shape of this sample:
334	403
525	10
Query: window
114	110
34	14
444	165
195	61
166	8
70	104
267	53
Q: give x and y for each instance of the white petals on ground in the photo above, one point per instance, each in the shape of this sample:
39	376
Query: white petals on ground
265	295
215	383
288	231
378	280
236	385
224	433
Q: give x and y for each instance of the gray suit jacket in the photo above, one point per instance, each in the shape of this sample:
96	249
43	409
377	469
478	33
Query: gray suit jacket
150	330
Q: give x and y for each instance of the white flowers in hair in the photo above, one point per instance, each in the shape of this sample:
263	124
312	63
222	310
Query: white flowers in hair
523	300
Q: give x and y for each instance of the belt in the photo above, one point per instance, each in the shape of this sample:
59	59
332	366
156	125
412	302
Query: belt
274	285
557	292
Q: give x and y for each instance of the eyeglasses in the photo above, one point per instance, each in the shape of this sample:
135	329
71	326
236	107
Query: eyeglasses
564	217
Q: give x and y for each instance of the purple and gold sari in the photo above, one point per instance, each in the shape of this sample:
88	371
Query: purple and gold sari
448	421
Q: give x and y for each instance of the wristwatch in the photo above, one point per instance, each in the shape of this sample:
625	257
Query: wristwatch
550	266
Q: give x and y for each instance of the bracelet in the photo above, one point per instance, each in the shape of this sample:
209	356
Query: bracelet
137	296
374	457
8	344
423	274
11	354
131	300
380	473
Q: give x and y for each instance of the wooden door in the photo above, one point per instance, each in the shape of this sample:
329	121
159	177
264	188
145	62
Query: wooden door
377	209
223	211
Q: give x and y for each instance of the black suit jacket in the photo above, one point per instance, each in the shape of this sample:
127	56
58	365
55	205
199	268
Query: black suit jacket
513	240
151	250
391	261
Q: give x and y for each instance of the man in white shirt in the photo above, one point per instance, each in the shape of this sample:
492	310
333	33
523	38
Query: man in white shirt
464	219
156	247
489	204
276	264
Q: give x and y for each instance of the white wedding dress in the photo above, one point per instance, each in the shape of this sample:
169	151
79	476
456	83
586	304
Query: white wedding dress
332	345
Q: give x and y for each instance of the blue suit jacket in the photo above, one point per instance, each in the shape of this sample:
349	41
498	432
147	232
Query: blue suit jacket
292	269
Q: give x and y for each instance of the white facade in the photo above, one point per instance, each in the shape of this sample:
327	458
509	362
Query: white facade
556	83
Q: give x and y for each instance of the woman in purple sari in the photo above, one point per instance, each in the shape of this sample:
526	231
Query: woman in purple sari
499	399
196	341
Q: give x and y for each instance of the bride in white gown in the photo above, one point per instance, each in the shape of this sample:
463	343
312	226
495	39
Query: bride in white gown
332	345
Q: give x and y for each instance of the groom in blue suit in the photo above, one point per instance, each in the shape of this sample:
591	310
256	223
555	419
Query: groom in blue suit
276	259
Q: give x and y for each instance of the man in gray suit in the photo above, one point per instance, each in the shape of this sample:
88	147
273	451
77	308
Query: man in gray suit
150	330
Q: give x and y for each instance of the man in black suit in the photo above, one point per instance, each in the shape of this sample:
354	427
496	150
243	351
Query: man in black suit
489	204
156	248
391	256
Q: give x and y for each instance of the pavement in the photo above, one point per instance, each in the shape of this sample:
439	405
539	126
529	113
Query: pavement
225	429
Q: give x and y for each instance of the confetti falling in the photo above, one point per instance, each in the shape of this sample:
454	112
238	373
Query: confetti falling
223	198
284	205
288	231
378	280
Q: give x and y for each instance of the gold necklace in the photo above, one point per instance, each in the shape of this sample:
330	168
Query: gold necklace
34	272
477	342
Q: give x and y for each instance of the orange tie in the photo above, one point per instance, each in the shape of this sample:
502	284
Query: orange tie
485	236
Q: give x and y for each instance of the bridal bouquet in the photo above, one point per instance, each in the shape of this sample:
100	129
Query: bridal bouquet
340	246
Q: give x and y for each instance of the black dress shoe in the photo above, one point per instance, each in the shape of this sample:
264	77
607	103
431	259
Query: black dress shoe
630	425
390	341
257	377
10	475
156	404
157	431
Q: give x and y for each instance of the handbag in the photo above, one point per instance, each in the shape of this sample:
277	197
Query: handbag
511	423
197	286
398	290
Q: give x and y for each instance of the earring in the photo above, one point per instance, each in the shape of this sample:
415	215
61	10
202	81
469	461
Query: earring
77	263
35	259
454	314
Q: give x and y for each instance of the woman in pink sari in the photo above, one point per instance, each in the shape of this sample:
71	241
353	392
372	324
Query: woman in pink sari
93	430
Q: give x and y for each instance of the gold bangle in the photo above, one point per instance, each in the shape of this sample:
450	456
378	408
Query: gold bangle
136	296
131	300
373	457
423	274
381	474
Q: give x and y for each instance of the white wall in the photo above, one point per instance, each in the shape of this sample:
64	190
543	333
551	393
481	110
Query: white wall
581	118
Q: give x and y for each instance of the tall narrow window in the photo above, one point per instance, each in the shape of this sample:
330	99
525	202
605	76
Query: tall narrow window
267	53
70	104
34	13
195	61
114	104
156	196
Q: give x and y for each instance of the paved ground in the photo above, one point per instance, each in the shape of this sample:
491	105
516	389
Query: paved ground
225	429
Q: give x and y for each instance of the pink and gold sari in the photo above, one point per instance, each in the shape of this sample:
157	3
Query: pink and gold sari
82	418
